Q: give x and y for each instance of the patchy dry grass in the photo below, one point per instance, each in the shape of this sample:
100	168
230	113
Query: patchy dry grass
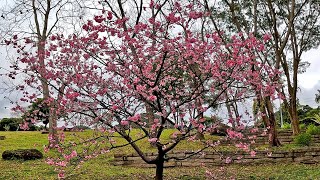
101	167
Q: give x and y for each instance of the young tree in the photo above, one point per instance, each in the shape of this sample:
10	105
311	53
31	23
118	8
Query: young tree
153	58
33	22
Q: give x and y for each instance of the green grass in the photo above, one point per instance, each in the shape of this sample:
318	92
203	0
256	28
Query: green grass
101	167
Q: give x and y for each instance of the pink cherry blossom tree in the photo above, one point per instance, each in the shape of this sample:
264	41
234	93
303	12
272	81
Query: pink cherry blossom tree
155	61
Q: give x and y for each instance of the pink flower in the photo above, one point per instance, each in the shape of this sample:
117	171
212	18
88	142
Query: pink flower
50	161
109	17
124	123
61	163
228	160
152	98
61	175
73	153
135	118
266	37
153	140
253	153
99	19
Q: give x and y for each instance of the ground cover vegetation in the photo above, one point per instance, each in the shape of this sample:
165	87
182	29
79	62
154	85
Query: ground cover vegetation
102	167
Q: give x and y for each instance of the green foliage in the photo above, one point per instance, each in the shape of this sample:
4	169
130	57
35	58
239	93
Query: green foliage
286	126
38	110
308	115
81	127
303	139
313	129
302	126
10	124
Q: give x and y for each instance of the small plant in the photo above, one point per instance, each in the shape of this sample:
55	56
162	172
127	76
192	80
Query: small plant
313	129
7	127
303	139
302	126
286	126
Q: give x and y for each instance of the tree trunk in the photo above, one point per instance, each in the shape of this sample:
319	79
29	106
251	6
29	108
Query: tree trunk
294	119
46	93
159	169
273	139
269	119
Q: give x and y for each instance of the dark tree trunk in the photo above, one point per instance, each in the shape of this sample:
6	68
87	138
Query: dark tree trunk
159	169
269	120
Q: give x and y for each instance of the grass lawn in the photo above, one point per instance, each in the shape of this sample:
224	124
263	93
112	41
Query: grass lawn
101	167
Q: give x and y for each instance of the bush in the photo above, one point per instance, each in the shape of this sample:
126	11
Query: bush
286	126
13	124
302	126
81	127
303	139
313	129
10	124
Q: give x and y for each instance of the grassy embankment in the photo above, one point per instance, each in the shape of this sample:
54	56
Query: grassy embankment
101	167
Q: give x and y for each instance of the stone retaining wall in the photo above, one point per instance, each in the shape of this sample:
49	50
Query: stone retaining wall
284	136
309	155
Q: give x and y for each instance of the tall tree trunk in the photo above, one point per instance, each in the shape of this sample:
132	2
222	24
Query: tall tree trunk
46	92
291	106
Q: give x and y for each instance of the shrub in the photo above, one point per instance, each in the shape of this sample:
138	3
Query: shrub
81	127
13	124
303	139
302	126
286	126
313	129
10	124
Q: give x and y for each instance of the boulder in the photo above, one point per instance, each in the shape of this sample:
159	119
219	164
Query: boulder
24	154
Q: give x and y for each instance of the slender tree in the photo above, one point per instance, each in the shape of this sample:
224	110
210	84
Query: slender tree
33	22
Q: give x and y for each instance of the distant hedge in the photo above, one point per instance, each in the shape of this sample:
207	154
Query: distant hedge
12	124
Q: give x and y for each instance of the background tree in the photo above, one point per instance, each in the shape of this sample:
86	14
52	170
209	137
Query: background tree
33	22
38	111
225	19
294	29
